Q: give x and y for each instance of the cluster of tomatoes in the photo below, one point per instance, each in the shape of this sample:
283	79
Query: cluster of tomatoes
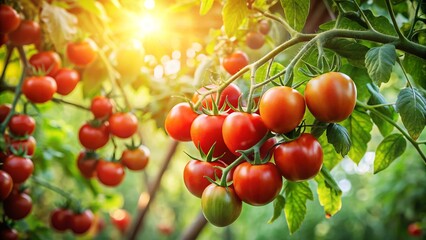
241	144
255	37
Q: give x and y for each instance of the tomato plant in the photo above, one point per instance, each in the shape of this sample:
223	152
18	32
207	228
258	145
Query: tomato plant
81	222
19	168
235	62
93	137
60	219
6	184
21	125
28	32
27	145
255	40
135	158
17	205
101	107
196	174
179	120
48	62
86	164
39	89
110	173
9	19
123	125
81	53
230	95
66	80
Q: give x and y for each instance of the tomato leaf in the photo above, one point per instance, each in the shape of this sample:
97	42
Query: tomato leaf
93	76
345	23
411	105
205	7
234	12
388	150
359	127
379	62
296	12
361	80
331	157
339	137
261	73
380	23
93	7
329	193
350	49
297	193
415	66
279	204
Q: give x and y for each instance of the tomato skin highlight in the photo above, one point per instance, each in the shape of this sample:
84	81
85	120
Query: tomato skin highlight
299	160
121	219
6	184
19	168
194	175
93	137
110	173
21	125
235	62
66	80
331	97
49	62
123	125
81	222
60	219
17	206
81	53
9	19
178	122
39	89
28	32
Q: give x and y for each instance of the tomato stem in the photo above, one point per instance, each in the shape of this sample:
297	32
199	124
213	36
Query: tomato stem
223	181
53	188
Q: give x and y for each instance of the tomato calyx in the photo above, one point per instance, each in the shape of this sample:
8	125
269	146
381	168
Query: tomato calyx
253	154
324	65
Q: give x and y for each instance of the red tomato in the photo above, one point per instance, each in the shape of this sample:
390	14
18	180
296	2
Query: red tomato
242	131
28	32
110	173
195	173
6	184
81	222
231	93
7	233
179	120
21	125
300	159
17	206
3	39
9	19
92	137
123	125
60	219
255	40
39	89
235	62
101	107
66	80
414	229
264	26
165	228
282	109
28	145
49	62
87	165
135	159
121	219
4	111
331	97
81	53
19	168
257	184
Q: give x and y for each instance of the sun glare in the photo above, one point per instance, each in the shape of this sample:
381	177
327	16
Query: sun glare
149	24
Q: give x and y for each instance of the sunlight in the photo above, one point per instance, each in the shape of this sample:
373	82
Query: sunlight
149	24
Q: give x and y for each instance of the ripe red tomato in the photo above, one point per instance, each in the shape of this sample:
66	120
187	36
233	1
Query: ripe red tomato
17	205
39	89
81	222
28	32
9	19
19	168
235	62
282	109
4	111
135	159
66	80
3	39
93	137
123	124
179	120
110	173
48	62
257	184
60	219
220	205
81	53
242	130
27	145
264	26
195	173
255	40
121	219
300	159
414	229
231	93
7	233
331	97
21	125
6	184
101	107
87	165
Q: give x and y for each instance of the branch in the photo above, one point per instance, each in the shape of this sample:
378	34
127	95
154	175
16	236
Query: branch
195	229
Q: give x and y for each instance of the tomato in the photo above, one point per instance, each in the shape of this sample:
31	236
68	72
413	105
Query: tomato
121	219
60	219
414	229
264	26
268	148
257	184
81	53
49	62
39	89
179	120
7	233
135	159
165	228
255	40
282	109
81	222
300	159
242	131
195	173
3	39
9	19
66	80
28	32
235	62
220	205
123	124
110	173
331	97
4	111
231	93
19	168
17	205
21	125
6	184
28	145
101	107
87	165
93	137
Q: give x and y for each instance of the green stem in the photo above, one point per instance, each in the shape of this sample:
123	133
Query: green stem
56	189
370	26
223	181
395	24
329	179
410	33
381	105
59	100
6	63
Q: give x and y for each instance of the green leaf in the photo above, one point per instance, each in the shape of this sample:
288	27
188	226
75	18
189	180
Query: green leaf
388	150
94	7
279	204
205	7
359	127
93	76
385	127
329	193
234	12
380	23
339	137
361	79
416	67
345	23
297	193
379	62
330	157
261	73
350	49
296	12
411	105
